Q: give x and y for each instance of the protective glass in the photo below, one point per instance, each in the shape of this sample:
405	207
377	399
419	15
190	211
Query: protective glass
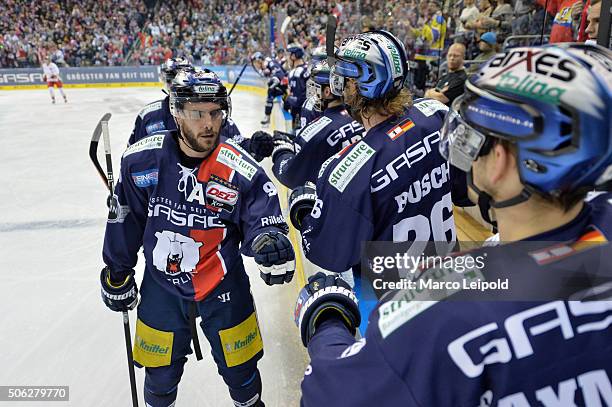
460	143
212	115
314	92
336	82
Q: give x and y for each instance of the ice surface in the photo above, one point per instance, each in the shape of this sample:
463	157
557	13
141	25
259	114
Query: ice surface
54	328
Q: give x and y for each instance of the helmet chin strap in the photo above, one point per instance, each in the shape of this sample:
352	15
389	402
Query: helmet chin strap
486	202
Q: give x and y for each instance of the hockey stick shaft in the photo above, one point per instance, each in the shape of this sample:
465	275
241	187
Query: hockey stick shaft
130	358
237	79
108	178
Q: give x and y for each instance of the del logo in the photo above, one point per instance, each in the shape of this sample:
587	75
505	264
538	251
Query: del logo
145	178
220	194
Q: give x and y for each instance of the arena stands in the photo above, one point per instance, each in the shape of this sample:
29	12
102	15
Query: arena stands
127	32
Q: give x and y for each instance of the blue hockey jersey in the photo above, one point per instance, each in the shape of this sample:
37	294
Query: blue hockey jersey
274	68
391	186
156	117
192	222
297	86
318	141
465	352
308	114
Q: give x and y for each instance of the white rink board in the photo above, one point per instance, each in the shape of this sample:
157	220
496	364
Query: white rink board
55	329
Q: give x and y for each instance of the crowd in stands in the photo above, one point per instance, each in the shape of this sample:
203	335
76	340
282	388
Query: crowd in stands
74	32
106	32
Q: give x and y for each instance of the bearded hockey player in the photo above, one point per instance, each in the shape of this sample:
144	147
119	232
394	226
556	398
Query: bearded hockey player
156	116
298	161
277	80
194	203
393	184
534	151
298	76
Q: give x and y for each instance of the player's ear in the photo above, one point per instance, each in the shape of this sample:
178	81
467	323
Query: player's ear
502	163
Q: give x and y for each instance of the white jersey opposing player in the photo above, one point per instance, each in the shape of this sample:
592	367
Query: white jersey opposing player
51	76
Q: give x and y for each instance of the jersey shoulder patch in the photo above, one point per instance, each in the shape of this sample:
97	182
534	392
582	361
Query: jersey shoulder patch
314	128
237	161
430	106
151	107
349	164
153	142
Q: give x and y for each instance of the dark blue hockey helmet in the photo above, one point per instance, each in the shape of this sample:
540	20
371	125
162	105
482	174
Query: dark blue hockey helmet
296	51
198	86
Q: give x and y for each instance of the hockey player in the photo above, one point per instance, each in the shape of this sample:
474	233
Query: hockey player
298	76
535	156
194	204
308	113
277	80
299	161
156	116
51	76
391	185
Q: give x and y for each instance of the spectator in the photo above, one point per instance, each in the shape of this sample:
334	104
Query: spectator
429	42
593	20
468	15
451	85
488	48
563	27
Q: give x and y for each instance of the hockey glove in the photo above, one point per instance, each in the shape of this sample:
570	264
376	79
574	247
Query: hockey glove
273	83
275	257
122	296
282	145
301	202
261	145
323	298
290	103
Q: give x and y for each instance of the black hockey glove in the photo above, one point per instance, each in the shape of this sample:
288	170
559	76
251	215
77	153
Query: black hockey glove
283	143
261	145
323	298
122	296
301	202
275	257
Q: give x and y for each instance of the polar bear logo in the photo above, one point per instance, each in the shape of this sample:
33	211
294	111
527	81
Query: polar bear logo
174	253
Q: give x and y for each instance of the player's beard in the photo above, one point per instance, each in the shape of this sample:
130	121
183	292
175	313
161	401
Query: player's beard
202	140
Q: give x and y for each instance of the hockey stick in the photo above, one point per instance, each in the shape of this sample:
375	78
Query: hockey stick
237	79
93	147
330	39
108	178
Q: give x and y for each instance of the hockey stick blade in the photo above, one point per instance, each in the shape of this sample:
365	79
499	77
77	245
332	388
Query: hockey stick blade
330	39
93	147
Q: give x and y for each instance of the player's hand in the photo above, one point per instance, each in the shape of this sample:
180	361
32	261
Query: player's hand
301	202
283	144
118	296
275	257
323	298
261	145
273	82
